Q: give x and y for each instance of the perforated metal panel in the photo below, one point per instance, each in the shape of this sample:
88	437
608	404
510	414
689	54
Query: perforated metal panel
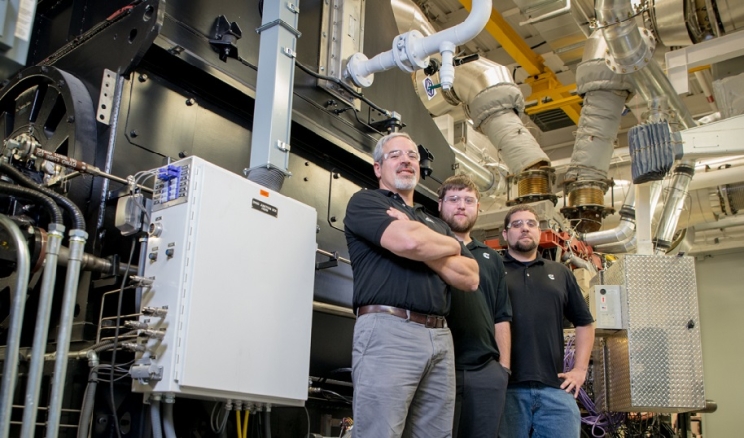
656	364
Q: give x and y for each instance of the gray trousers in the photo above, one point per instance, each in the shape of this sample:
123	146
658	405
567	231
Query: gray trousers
479	402
404	379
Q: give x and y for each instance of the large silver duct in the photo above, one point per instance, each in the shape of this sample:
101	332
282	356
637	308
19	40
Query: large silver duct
673	206
630	52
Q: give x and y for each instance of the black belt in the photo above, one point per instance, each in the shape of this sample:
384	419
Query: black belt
429	321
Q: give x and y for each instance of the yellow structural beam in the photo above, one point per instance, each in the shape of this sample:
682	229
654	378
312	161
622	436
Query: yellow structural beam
554	104
543	81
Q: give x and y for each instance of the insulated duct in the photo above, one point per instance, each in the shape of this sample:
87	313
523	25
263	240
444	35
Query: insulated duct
604	93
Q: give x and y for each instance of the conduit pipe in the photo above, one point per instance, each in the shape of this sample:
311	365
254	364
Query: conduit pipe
55	234
77	244
169	428
155	421
18	305
623	247
411	50
673	206
482	177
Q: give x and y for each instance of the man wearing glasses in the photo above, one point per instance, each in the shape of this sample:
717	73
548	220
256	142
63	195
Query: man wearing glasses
479	322
404	261
543	292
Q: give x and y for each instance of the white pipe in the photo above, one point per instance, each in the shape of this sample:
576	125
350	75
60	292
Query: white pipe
549	15
622	232
411	49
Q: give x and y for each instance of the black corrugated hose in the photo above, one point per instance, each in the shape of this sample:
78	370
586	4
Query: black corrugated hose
68	205
34	195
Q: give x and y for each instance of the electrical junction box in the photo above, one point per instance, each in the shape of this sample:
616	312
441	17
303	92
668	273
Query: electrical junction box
606	304
229	310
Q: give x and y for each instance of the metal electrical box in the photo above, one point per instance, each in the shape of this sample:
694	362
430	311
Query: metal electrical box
605	304
233	266
656	363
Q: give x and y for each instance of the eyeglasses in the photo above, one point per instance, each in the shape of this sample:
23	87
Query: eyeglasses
413	155
531	223
455	200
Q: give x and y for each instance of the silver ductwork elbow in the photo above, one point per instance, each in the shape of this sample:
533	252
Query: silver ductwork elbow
622	232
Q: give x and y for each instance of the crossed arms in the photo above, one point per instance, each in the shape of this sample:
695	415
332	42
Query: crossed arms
415	241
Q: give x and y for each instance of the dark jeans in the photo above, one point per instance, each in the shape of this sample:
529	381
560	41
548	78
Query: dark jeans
479	401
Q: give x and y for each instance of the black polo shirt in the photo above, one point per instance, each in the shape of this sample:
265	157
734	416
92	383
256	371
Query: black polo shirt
474	314
381	277
542	293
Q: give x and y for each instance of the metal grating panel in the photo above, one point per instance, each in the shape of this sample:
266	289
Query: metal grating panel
551	120
656	365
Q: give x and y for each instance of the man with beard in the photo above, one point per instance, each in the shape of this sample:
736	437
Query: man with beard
479	322
543	292
404	261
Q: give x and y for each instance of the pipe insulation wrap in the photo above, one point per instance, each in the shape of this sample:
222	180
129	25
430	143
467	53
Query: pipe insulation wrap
596	136
515	143
493	100
594	75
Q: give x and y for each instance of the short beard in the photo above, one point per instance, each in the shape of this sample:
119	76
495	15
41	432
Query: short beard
457	228
405	183
523	247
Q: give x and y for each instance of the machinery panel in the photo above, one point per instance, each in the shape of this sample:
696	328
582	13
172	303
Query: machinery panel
233	263
656	364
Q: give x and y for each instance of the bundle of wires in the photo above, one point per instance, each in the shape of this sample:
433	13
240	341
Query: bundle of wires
602	423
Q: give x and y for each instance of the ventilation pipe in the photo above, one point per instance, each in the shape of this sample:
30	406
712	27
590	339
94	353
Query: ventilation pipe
631	52
622	238
411	50
605	93
623	231
673	206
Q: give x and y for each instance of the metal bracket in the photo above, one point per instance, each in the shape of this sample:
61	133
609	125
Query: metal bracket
293	7
281	23
284	147
331	263
106	98
289	52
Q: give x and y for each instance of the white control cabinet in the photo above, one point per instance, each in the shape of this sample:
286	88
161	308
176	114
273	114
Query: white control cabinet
233	265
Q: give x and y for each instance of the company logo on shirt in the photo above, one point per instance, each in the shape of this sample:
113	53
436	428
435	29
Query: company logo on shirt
551	276
486	255
428	219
